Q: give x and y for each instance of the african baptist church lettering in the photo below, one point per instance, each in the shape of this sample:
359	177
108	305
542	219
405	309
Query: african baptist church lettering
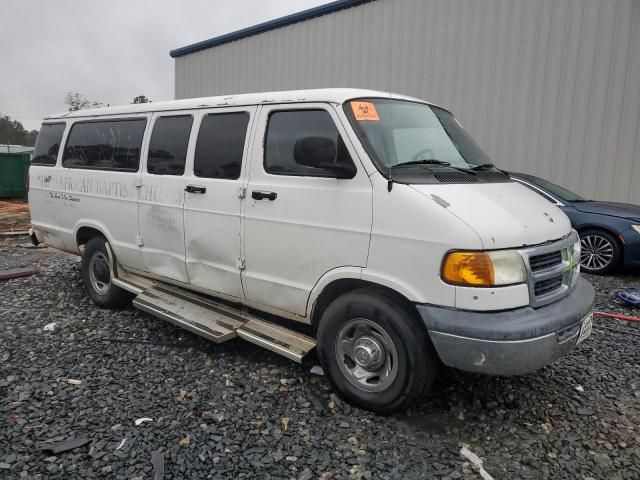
107	188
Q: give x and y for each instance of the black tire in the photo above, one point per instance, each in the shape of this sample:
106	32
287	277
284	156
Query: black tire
593	239
110	296
416	359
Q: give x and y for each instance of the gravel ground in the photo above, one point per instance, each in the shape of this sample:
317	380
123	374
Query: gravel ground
237	411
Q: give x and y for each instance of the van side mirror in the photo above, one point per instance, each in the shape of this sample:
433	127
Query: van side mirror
322	152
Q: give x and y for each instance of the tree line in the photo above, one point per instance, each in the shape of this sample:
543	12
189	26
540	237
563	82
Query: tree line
12	132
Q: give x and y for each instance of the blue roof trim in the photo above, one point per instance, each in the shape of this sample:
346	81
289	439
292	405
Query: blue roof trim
266	26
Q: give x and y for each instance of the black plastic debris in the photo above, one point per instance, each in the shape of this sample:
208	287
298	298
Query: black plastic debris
64	445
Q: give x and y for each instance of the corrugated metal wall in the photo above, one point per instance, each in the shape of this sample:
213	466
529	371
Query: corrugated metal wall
549	87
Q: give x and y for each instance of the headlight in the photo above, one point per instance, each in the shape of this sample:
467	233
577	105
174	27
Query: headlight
483	269
577	257
636	228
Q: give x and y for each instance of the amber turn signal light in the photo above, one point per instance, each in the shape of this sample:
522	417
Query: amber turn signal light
468	268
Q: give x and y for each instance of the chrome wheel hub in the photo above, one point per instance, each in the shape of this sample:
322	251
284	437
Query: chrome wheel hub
100	273
366	355
597	252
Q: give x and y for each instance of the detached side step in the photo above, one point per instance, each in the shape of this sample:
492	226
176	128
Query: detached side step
200	318
282	340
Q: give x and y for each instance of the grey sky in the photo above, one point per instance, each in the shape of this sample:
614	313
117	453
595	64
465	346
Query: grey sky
108	50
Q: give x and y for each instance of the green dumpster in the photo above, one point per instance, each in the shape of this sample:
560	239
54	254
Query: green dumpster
13	173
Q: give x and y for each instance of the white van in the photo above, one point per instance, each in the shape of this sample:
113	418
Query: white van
372	218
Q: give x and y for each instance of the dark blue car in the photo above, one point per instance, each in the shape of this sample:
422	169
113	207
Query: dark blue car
609	231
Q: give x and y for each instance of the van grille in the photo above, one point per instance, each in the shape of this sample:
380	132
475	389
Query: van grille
550	270
546	260
543	287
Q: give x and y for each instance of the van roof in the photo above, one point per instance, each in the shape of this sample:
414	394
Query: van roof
333	95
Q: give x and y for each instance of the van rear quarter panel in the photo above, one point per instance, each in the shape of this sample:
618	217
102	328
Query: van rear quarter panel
63	200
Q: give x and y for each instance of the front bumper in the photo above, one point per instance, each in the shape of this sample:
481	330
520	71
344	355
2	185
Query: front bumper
631	248
511	342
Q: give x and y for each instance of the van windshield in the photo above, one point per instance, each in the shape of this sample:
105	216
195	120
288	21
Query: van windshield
401	134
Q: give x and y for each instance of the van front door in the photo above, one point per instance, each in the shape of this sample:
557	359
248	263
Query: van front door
300	220
213	201
161	199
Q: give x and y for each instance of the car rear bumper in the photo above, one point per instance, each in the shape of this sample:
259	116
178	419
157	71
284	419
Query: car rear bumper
511	342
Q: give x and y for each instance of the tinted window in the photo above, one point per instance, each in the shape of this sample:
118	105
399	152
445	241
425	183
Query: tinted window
48	144
168	145
286	128
105	145
220	145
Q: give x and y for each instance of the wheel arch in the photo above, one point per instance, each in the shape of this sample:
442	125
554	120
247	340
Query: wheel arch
85	231
604	228
340	286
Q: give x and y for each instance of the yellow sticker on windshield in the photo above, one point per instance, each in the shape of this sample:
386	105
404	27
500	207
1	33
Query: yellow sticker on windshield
365	111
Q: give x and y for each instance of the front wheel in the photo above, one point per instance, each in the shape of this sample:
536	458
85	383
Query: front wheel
375	352
600	252
96	275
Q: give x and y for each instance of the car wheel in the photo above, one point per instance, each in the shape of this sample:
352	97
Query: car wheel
375	351
96	275
601	252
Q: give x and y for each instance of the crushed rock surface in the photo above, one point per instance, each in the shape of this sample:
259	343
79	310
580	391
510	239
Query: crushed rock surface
235	410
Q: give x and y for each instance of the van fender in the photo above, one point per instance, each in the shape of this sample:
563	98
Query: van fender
361	273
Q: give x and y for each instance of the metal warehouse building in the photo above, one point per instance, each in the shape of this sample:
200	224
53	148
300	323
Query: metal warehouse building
549	87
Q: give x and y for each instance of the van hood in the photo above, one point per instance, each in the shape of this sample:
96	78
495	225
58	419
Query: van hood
504	215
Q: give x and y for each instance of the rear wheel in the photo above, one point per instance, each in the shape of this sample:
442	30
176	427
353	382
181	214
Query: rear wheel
96	275
601	252
375	351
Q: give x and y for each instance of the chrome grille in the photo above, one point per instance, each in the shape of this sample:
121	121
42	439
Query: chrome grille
548	285
546	260
550	270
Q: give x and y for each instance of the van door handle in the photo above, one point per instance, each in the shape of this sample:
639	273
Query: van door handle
258	195
195	189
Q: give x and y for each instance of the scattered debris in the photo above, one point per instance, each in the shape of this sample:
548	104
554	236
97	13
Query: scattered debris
49	327
157	460
13	273
580	388
628	296
72	381
185	442
140	421
317	370
107	469
64	445
285	424
121	444
476	462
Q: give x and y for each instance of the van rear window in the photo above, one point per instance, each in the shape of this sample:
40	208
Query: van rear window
48	144
105	145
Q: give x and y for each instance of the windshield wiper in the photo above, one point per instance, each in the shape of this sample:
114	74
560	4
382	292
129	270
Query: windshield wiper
429	161
484	166
433	161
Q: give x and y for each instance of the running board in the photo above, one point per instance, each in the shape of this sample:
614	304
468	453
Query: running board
287	343
213	320
198	318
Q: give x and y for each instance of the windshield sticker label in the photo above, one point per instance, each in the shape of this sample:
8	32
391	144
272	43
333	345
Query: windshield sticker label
365	111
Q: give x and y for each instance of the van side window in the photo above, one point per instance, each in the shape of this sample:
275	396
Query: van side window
105	145
285	128
168	145
48	144
220	145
